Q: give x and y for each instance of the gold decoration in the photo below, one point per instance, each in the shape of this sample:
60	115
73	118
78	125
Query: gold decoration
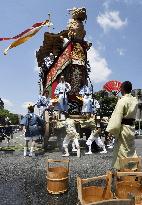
75	25
80	98
78	55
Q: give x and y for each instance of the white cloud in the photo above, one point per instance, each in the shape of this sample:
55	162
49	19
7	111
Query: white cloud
121	51
100	46
133	2
128	2
99	66
111	20
106	4
7	104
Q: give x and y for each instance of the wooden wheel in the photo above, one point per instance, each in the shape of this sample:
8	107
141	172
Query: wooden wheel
46	133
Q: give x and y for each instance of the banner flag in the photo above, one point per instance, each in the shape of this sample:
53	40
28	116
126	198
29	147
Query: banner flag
25	35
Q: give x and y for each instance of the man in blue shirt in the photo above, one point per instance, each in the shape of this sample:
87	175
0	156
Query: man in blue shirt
32	127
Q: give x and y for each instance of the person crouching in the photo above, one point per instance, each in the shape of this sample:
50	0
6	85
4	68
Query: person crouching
72	134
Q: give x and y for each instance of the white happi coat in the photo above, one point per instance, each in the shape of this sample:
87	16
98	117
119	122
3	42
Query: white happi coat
87	100
87	104
124	134
85	89
72	134
61	91
90	105
43	103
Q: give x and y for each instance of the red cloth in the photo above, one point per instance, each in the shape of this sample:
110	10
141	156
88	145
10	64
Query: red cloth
54	85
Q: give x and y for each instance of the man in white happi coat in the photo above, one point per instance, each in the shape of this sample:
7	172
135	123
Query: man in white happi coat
61	92
72	134
44	102
95	131
90	105
85	92
121	125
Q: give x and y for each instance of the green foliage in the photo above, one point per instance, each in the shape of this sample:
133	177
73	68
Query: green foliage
107	102
12	117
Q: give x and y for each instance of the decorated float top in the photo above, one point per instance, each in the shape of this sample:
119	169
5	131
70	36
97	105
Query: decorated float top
69	59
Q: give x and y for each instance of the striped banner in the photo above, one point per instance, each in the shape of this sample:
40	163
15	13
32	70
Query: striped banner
25	35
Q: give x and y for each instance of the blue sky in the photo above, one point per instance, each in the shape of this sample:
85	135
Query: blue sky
113	26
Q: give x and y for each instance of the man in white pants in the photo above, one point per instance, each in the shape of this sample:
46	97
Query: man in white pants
90	123
72	134
95	136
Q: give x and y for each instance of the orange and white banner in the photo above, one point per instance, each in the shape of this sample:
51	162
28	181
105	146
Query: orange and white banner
25	35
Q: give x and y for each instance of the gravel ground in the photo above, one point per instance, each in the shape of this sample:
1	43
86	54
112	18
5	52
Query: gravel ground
23	180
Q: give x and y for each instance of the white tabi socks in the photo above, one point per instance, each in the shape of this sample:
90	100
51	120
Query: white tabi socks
78	152
25	151
104	150
66	153
73	147
89	143
31	152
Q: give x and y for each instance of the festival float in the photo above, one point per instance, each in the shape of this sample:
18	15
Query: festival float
70	60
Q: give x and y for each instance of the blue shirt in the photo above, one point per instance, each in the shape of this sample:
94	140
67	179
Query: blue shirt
33	124
62	89
85	90
43	101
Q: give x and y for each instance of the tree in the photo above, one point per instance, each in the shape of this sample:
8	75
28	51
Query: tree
1	103
12	117
107	102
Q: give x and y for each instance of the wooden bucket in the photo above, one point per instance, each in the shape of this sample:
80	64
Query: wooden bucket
125	188
57	177
91	194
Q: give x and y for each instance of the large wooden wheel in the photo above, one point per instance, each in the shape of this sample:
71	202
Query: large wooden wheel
47	132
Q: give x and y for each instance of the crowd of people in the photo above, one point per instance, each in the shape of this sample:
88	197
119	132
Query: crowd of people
6	129
120	127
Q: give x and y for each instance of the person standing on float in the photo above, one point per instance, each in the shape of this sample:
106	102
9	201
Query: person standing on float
61	91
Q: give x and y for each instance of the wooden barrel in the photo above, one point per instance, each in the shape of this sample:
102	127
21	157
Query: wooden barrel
126	188
57	177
